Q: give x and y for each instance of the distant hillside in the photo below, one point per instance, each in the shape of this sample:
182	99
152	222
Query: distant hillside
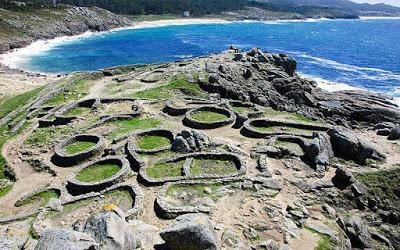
345	5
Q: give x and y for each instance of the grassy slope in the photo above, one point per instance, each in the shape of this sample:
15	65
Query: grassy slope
8	105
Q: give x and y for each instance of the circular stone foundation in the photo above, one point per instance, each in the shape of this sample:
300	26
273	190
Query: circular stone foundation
193	166
98	175
77	148
262	128
208	117
244	111
151	141
180	106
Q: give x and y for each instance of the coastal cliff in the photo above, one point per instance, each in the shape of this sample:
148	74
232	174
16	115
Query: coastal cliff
20	28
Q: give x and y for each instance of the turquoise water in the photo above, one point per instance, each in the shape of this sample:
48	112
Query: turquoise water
359	53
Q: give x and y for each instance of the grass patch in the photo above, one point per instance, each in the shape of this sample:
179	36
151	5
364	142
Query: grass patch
325	242
384	184
42	198
122	198
78	90
208	116
176	86
239	109
213	167
5	190
283	129
7	105
289	145
46	136
272	113
78	111
152	142
196	190
126	126
97	172
165	169
78	146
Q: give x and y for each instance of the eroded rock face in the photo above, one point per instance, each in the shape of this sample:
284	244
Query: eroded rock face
110	230
349	146
191	231
65	239
270	80
358	234
319	151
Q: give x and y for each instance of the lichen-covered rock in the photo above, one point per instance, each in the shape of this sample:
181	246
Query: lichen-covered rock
319	151
110	230
349	146
65	239
55	205
190	231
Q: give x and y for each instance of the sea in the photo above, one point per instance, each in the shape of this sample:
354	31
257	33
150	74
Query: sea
338	54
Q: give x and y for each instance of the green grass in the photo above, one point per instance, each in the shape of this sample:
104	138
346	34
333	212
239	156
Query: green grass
239	109
176	86
126	126
77	91
324	243
78	146
283	129
208	116
197	190
271	113
5	190
152	142
289	145
78	111
165	169
122	198
7	105
42	198
46	136
385	184
97	172
205	166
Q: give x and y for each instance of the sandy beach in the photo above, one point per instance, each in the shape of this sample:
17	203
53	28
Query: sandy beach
14	81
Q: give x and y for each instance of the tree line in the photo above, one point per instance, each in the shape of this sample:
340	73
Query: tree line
136	7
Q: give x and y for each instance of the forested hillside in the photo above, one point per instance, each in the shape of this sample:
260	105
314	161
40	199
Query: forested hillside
139	7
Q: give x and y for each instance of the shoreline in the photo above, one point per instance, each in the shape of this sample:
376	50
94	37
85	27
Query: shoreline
11	67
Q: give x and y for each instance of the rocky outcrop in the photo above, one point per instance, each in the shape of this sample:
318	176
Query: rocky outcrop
270	80
190	141
319	151
358	234
349	146
110	230
191	231
65	239
394	133
50	23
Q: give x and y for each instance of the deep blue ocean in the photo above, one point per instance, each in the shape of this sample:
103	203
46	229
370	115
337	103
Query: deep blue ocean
359	53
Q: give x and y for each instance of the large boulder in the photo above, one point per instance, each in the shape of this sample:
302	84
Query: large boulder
190	141
347	145
319	151
110	229
65	239
343	177
358	234
191	231
394	133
